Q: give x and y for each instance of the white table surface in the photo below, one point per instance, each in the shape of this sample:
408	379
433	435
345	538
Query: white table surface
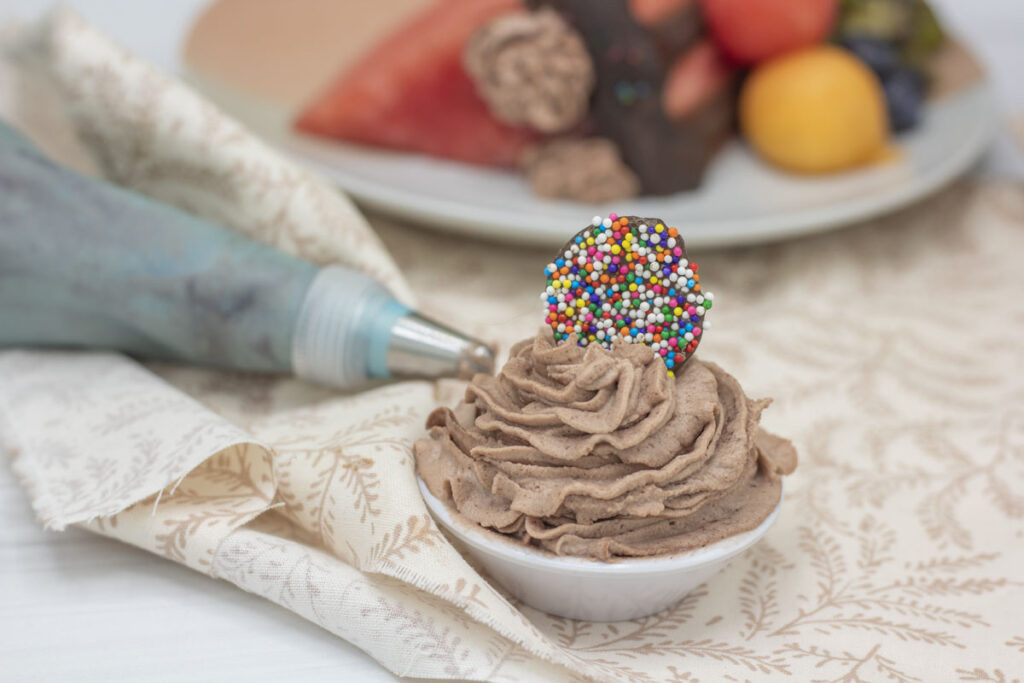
78	607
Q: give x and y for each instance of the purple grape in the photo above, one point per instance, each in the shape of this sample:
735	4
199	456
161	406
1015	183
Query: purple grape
904	93
880	56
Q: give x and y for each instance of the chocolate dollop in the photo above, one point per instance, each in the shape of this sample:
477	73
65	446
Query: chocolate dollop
598	453
586	170
531	69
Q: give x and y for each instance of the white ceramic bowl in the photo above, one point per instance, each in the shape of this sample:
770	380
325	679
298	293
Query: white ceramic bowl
588	589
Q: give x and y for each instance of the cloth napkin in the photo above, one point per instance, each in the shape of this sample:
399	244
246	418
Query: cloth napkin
892	350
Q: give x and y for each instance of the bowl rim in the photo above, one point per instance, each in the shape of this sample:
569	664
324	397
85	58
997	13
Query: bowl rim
481	540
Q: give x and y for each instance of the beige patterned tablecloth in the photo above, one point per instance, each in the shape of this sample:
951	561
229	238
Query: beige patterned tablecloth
893	350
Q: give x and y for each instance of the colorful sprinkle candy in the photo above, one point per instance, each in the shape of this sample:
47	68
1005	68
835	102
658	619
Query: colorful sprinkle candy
628	278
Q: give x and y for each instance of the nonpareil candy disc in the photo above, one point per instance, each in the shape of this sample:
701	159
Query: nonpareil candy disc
628	278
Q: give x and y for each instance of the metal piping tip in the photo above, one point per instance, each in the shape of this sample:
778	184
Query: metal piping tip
420	347
476	358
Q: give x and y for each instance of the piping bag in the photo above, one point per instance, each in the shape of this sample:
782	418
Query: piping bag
84	263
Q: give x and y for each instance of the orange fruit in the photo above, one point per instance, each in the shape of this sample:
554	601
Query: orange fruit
815	110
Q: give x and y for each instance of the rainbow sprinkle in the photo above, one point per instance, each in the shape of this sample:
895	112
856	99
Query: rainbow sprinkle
628	278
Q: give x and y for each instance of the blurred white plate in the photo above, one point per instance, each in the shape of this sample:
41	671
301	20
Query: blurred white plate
262	60
742	200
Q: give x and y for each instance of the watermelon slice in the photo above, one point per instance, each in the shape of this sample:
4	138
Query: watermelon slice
411	93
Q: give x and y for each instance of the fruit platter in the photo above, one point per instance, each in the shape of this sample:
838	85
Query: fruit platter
750	120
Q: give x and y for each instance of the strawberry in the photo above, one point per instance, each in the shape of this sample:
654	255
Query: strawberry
751	31
650	12
694	78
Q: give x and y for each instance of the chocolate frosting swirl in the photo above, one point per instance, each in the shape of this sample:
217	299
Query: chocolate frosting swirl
598	453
